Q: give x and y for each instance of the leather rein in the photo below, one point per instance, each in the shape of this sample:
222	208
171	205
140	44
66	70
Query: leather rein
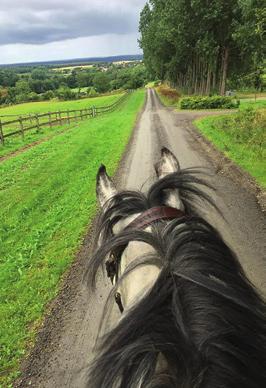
144	220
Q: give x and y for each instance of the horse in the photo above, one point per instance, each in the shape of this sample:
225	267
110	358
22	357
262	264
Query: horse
188	315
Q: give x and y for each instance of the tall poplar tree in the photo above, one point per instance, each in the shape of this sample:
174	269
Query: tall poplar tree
198	44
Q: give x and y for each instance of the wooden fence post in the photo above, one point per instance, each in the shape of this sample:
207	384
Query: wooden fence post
50	119
93	111
68	119
76	116
21	127
37	122
60	117
1	133
81	114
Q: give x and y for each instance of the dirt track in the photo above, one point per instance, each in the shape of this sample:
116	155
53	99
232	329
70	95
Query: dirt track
65	343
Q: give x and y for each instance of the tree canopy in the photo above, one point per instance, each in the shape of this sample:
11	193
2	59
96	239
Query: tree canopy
199	44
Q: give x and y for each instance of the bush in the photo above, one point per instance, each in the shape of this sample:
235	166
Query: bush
65	93
214	102
48	95
91	92
170	93
32	96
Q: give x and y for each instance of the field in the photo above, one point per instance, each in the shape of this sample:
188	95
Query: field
47	202
242	137
46	106
70	68
14	143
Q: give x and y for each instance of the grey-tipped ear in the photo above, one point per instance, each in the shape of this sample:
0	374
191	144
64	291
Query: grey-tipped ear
105	188
167	164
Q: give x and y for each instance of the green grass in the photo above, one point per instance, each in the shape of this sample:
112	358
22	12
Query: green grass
47	201
240	136
14	143
55	105
252	104
151	84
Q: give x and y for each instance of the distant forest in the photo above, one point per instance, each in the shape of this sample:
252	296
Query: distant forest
67	81
203	46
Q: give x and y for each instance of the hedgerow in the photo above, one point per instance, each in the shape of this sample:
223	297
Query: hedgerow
214	102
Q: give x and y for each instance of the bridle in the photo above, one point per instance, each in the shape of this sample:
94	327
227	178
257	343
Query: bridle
144	220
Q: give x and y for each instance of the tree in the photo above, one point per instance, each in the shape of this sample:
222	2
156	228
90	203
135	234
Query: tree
65	93
101	82
199	44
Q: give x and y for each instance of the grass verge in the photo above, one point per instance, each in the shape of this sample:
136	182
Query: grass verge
47	201
240	136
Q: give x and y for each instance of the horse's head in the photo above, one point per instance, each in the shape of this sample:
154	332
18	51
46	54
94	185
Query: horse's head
127	213
190	314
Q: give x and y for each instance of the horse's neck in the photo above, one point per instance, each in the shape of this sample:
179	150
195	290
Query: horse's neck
140	280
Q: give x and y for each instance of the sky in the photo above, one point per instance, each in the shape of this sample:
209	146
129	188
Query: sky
43	30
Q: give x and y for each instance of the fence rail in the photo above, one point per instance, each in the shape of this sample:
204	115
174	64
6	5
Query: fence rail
25	123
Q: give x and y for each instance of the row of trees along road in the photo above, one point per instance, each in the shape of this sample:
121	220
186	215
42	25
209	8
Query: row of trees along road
199	44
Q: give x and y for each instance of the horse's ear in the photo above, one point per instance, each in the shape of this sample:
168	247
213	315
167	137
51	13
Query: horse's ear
167	164
105	188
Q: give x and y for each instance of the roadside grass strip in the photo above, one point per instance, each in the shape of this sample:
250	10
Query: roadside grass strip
48	199
241	137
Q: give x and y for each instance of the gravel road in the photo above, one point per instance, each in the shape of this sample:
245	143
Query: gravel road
66	340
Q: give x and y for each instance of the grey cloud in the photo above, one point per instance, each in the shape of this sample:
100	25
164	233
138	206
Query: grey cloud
40	22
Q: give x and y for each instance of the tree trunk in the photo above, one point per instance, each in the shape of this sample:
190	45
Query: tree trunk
224	71
208	83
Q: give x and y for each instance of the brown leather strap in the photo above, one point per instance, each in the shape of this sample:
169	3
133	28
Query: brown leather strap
155	214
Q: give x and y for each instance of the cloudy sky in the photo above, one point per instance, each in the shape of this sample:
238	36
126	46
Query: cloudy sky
37	30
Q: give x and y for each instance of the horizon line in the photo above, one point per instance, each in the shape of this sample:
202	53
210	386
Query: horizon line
58	61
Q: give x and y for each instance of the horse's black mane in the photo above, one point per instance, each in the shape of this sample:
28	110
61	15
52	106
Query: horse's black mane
202	314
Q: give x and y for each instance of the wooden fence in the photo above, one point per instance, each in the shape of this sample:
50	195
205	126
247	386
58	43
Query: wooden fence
28	122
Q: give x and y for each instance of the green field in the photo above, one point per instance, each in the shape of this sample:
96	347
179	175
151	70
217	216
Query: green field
242	137
47	199
55	105
14	143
